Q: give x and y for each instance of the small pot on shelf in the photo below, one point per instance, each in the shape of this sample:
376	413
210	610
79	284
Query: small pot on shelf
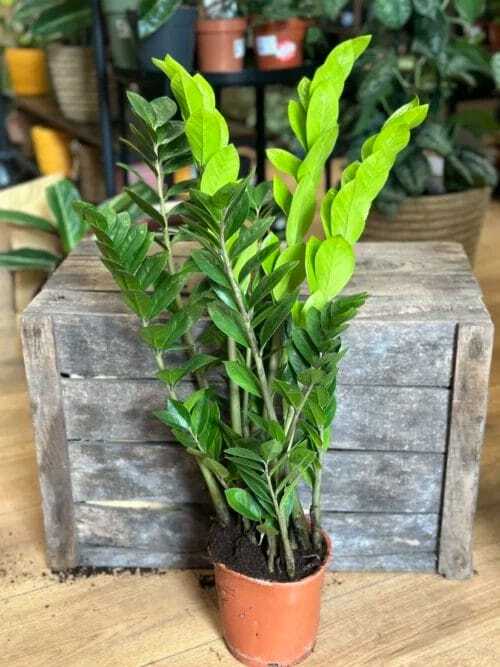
221	44
27	70
280	44
74	79
269	622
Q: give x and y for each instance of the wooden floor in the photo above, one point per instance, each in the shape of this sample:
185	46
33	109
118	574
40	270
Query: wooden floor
130	620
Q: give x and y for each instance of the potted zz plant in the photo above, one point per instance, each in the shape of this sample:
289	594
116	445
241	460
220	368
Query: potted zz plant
265	361
440	186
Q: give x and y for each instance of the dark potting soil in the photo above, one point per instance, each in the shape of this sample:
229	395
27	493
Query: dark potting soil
232	547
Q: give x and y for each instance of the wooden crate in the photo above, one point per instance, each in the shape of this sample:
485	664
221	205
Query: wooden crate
402	475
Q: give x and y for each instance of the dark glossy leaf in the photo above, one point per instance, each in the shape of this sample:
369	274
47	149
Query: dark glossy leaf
243	377
175	415
27	220
276	318
229	322
162	336
172	376
211	266
29	259
61	198
242	502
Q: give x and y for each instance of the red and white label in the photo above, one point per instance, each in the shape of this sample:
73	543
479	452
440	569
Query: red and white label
286	50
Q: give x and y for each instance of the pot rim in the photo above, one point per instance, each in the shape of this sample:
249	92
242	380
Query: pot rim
222	25
451	195
301	582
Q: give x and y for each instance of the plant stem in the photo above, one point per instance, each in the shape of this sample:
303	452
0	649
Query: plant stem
316	509
247	323
290	433
300	523
287	547
234	391
246	430
216	496
271	552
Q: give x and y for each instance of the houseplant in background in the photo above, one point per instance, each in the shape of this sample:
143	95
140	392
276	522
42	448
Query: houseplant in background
221	36
440	186
277	354
64	26
26	62
140	30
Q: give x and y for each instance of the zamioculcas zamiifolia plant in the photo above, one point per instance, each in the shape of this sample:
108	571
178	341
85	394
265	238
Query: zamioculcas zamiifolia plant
262	441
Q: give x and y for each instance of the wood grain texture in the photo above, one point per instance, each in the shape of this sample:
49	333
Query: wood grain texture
353	481
50	439
388	418
468	414
390	353
156	535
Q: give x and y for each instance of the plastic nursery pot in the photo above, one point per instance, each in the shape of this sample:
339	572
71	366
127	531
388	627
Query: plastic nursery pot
279	44
267	622
52	150
175	37
27	71
221	44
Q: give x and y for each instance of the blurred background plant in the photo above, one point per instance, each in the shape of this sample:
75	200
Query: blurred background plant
432	49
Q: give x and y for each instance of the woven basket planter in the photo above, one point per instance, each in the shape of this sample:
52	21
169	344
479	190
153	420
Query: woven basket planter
74	80
452	217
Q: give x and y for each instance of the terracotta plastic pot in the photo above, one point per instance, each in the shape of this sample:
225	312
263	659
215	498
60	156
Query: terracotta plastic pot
266	622
27	71
456	217
279	44
221	44
74	78
52	150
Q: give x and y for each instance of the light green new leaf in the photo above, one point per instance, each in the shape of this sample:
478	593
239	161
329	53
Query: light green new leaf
284	161
312	246
316	157
302	210
245	504
189	97
323	111
207	133
206	91
243	377
339	62
325	211
294	253
282	195
297	120
334	263
222	168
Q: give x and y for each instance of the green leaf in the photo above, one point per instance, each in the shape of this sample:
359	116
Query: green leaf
392	13
293	278
145	205
302	210
427	8
142	108
229	322
323	110
297	120
29	259
282	195
271	449
290	393
210	266
243	377
270	426
175	415
207	133
283	161
27	220
156	15
62	20
221	169
470	10
61	197
171	376
312	246
255	263
162	336
495	68
276	317
164	109
242	502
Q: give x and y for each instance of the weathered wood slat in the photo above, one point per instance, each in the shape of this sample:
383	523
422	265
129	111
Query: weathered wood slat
352	481
50	440
122	557
405	257
389	353
436	307
89	274
468	416
387	418
145	537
